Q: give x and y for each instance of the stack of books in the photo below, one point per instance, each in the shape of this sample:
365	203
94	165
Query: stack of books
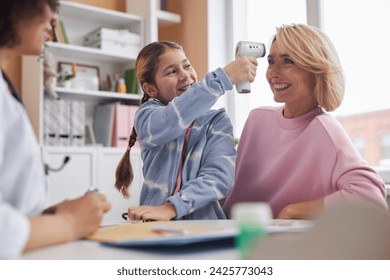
58	32
113	124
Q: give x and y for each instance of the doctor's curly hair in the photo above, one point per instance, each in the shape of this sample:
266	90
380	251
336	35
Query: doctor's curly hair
12	12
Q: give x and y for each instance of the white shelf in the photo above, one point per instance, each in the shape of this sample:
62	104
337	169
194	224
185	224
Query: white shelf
79	20
154	17
81	52
167	18
95	14
95	96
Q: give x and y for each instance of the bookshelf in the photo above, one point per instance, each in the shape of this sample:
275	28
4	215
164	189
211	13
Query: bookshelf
89	165
155	18
79	20
92	165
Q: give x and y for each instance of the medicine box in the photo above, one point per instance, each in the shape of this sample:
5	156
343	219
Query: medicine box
123	36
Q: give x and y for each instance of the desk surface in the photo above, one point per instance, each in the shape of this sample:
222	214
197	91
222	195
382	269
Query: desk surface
90	250
212	250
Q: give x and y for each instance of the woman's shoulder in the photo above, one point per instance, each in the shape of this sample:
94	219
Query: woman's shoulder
328	122
265	110
332	128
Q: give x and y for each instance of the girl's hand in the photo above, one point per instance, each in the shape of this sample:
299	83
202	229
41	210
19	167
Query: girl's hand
302	210
164	212
242	69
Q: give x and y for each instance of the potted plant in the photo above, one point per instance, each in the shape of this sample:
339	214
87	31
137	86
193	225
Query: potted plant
64	78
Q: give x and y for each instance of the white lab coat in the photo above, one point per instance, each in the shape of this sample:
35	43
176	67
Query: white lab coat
22	178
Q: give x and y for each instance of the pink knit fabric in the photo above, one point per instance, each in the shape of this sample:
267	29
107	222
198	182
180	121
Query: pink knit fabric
283	161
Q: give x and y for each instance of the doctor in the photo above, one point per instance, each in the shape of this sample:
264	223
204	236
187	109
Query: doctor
24	27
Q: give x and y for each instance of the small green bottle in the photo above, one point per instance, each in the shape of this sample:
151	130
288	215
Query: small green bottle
251	218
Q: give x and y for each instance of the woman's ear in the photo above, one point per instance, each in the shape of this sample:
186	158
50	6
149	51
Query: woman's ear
150	90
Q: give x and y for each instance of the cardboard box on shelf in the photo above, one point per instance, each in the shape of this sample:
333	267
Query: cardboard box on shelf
123	36
115	46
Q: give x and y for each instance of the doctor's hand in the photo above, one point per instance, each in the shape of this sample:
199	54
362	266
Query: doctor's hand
164	212
83	215
302	210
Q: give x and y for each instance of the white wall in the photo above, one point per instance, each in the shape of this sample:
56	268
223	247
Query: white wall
221	44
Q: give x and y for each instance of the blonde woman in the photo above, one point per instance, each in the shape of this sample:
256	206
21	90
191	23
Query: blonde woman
297	157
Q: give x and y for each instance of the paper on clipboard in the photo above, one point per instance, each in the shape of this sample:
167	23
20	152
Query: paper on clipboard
159	234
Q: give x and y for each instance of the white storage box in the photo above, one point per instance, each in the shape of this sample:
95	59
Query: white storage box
123	36
114	46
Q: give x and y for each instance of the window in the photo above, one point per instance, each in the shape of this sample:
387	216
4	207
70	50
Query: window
358	29
363	49
257	21
359	144
385	144
360	37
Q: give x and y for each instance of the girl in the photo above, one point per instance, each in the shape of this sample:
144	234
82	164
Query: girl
187	149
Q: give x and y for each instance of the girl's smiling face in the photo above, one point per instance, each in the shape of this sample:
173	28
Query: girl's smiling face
174	75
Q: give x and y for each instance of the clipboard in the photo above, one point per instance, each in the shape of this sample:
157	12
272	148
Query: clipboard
160	234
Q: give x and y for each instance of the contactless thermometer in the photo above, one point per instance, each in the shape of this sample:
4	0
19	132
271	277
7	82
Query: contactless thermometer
253	49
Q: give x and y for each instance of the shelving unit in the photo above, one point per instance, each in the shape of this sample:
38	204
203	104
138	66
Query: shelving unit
79	20
165	18
88	165
154	17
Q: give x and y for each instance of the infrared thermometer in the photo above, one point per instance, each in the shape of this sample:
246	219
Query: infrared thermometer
253	49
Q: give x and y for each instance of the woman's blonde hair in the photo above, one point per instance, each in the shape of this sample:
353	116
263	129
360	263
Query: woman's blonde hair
312	50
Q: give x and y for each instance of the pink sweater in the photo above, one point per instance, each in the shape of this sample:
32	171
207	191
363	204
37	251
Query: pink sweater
283	161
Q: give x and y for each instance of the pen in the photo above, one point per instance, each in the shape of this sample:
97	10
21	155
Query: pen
126	218
165	230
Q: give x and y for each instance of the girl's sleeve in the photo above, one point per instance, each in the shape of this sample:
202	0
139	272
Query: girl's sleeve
157	124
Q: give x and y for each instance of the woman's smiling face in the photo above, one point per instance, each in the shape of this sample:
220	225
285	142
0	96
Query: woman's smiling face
289	83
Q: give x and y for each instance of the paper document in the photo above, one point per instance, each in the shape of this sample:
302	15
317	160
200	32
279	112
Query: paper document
160	233
182	233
